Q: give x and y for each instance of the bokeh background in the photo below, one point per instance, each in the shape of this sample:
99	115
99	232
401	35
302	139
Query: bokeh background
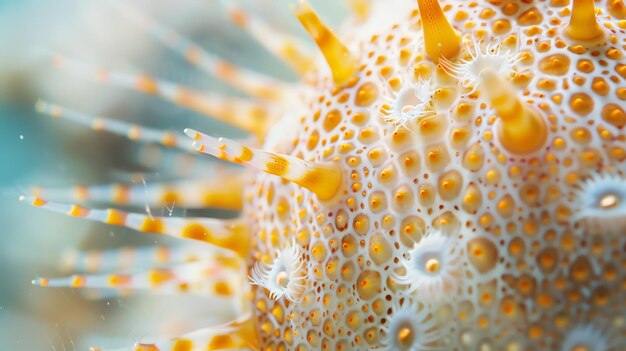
36	150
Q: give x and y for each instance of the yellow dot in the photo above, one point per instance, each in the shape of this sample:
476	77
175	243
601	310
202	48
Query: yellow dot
432	265
404	333
609	201
366	94
282	279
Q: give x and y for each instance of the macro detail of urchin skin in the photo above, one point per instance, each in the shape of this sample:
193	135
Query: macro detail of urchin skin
446	175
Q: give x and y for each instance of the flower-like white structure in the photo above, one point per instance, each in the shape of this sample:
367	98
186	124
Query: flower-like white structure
412	102
410	328
601	203
585	338
491	57
285	276
432	268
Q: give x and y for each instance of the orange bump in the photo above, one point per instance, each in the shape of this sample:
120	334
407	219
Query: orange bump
238	16
170	197
369	284
38	202
360	8
134	133
169	139
116	217
222	288
98	124
246	154
152	225
182	345
366	94
332	119
120	194
147	85
78	211
145	347
224	70
81	193
162	254
193	56
78	281
119	280
196	231
159	276
530	17
278	166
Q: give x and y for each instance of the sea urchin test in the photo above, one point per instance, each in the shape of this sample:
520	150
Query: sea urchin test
445	175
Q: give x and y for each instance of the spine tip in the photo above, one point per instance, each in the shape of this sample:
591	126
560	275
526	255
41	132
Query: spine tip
342	64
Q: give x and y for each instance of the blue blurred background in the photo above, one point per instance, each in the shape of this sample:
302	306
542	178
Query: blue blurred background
36	150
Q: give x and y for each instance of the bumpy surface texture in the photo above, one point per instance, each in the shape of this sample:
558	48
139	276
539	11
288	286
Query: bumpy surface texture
527	271
446	230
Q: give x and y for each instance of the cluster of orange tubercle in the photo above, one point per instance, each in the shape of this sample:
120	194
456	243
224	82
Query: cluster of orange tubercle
220	191
249	115
201	277
240	78
133	132
126	258
322	179
523	130
228	234
190	194
238	335
286	47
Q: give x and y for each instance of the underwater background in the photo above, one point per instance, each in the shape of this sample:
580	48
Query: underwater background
37	150
451	177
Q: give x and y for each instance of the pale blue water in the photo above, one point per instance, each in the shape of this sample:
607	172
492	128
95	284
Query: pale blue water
35	150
